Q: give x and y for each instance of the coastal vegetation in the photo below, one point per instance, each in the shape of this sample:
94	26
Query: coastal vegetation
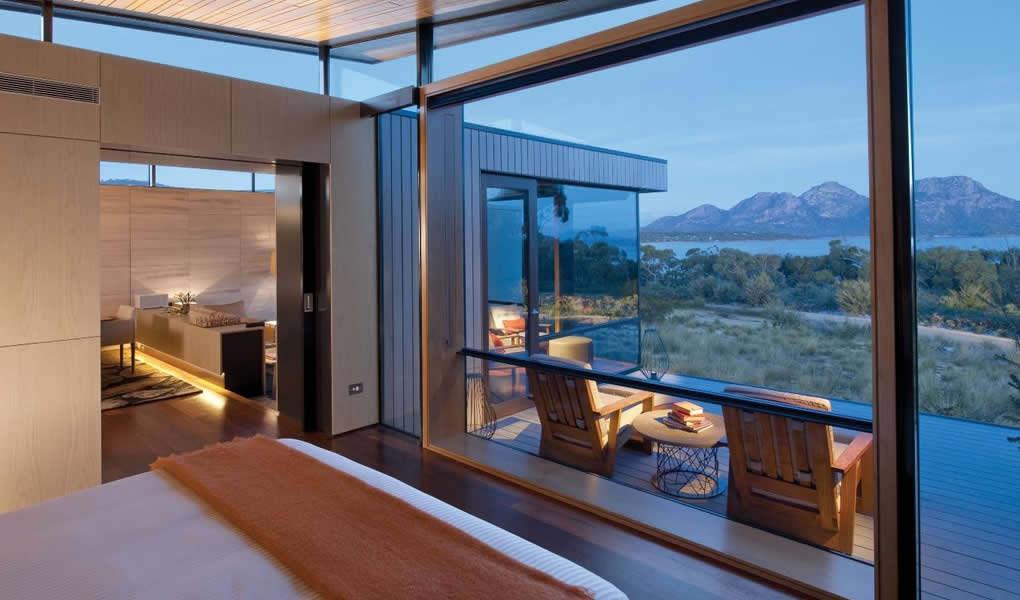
802	322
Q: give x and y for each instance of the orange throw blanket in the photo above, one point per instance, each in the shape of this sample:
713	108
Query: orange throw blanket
345	538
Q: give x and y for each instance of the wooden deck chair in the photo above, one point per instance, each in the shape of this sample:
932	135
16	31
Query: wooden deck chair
792	476
582	426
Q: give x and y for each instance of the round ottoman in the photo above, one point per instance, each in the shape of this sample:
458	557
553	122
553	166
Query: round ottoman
572	346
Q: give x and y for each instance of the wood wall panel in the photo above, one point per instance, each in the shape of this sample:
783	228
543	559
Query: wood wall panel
49	239
276	123
22	56
146	106
258	241
47	116
355	302
51	424
159	241
217	244
114	248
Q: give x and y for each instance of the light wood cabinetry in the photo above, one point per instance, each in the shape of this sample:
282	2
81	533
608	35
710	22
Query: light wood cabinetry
273	122
35	115
49	239
50	426
146	106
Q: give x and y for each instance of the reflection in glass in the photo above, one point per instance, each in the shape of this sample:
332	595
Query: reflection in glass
507	251
587	268
966	124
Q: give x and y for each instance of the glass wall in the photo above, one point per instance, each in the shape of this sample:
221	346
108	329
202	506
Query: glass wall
754	263
966	111
711	232
369	69
294	69
22	20
451	60
588	268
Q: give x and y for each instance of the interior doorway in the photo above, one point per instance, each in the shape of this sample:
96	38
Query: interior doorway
190	268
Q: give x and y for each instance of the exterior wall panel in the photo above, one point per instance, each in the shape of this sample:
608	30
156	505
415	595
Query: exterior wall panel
485	150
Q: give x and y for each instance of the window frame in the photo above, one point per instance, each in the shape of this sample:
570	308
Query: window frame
896	569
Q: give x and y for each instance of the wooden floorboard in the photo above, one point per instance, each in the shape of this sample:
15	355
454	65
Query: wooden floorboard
970	503
133	437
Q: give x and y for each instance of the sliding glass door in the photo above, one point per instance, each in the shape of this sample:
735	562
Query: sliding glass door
510	264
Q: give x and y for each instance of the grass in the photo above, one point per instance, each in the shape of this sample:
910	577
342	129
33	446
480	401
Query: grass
833	359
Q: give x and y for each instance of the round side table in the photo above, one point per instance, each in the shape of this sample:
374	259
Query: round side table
687	463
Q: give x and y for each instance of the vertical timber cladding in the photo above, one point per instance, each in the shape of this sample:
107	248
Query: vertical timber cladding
400	322
485	149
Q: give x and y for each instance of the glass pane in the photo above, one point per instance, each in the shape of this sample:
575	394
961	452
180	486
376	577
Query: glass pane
463	57
204	179
966	95
296	70
114	173
265	182
21	20
701	220
588	268
507	251
369	69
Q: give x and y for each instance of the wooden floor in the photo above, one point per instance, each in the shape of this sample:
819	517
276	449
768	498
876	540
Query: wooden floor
970	503
134	436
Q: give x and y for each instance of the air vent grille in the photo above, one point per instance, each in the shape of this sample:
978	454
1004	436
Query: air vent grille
31	86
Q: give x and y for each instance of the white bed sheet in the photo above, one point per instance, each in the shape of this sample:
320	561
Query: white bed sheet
149	537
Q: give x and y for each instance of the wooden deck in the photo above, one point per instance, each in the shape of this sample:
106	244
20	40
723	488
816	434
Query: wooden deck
970	503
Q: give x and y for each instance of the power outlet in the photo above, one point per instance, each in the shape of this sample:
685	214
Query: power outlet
355	388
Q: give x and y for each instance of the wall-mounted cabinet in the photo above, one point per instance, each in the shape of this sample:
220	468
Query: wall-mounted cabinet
153	107
274	122
49	239
35	115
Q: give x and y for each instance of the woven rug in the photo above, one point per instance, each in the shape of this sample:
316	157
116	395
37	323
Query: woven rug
121	387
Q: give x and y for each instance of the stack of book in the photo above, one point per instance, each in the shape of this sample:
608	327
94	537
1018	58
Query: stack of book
688	417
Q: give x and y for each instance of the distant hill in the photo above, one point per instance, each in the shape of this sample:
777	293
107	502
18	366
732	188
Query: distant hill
944	206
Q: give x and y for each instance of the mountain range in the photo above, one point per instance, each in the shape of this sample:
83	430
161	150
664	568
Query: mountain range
943	206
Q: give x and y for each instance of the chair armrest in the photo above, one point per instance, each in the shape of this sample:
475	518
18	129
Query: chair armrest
624	403
853	453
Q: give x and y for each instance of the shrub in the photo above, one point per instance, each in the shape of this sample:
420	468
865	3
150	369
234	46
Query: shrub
972	296
759	289
854	297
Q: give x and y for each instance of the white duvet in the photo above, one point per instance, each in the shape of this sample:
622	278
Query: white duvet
148	537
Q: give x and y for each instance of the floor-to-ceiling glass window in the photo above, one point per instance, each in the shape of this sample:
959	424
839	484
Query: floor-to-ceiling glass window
966	116
701	221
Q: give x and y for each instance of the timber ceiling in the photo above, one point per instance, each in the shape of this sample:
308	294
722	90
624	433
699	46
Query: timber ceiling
308	20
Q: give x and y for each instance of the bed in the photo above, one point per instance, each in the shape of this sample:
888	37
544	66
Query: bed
149	537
